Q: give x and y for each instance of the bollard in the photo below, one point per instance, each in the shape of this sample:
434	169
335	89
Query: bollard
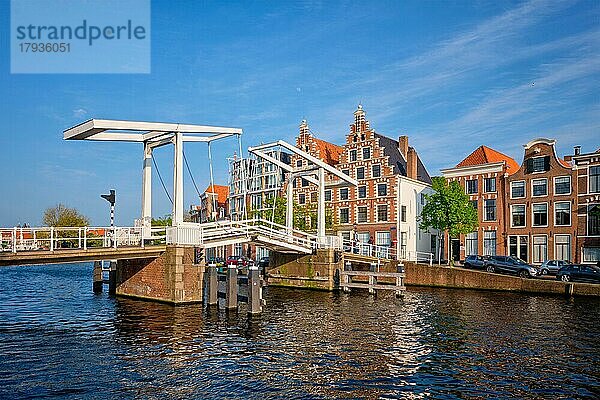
569	289
231	291
98	281
371	283
112	277
254	291
211	285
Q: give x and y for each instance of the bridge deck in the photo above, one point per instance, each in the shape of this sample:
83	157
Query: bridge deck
78	255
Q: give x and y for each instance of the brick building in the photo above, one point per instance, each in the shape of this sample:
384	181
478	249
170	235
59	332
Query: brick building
540	207
392	180
214	204
587	183
482	174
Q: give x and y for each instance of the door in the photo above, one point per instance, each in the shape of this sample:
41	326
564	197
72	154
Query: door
518	246
455	249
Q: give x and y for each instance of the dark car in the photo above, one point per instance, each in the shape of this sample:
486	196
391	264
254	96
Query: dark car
579	273
511	265
217	261
240	261
474	261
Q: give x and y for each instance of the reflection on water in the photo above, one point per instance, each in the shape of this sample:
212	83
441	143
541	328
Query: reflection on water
58	339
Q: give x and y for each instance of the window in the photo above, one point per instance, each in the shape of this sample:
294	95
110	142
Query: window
471	186
403	243
422	196
299	163
562	244
362	214
474	204
490	210
517	189
301	198
366	153
594	179
313	197
382	189
328	195
591	254
540	214
594	220
344	216
353	155
382	212
489	185
346	171
362	192
403	213
518	215
471	243
489	243
304	182
376	171
540	249
537	164
344	194
383	239
256	201
562	213
562	185
360	173
540	187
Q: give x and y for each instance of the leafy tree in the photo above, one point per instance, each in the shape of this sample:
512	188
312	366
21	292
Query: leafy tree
61	215
267	213
165	220
448	209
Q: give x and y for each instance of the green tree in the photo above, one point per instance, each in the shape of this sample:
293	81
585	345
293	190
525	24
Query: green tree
61	215
165	220
276	215
448	209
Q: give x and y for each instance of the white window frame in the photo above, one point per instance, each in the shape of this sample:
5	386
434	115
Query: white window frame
554	186
358	214
387	212
589	190
340	215
355	155
539	179
587	219
524	189
512	225
533	254
570	214
386	189
484	216
340	194
380	170
495	185
556	246
532	217
362	152
467	186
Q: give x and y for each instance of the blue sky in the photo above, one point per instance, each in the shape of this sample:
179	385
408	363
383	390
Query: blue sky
451	75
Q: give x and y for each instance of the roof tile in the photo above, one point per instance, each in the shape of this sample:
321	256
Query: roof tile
485	155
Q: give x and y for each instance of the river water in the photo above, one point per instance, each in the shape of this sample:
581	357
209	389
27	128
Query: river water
57	339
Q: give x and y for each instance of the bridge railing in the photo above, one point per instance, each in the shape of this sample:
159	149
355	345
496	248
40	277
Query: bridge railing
367	249
55	238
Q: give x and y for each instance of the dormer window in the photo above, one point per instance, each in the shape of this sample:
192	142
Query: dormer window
538	164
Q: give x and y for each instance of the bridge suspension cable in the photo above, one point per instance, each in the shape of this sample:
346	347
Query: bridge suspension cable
161	180
190	172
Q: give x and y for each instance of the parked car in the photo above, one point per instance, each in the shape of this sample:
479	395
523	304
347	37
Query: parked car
263	264
218	261
552	266
474	261
240	261
579	273
511	265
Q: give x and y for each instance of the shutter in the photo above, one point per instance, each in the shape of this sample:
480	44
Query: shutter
547	163
528	165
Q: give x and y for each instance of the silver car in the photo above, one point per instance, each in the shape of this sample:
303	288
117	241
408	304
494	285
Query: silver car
551	267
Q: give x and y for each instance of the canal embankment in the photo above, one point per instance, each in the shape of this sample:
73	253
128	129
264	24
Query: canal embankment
321	271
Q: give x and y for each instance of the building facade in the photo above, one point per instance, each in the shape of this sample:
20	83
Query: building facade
384	208
541	206
587	218
482	175
214	205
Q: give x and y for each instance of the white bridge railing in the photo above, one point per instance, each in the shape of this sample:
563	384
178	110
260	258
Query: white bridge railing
58	238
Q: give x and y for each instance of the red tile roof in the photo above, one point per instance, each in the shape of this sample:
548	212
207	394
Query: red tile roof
330	153
485	155
221	191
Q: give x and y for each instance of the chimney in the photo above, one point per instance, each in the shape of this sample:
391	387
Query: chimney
403	145
411	163
577	150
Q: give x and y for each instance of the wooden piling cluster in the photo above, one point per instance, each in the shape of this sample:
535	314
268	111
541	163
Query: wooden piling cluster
234	288
347	281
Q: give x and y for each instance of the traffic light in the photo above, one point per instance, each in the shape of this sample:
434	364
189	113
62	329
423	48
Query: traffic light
198	255
109	197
